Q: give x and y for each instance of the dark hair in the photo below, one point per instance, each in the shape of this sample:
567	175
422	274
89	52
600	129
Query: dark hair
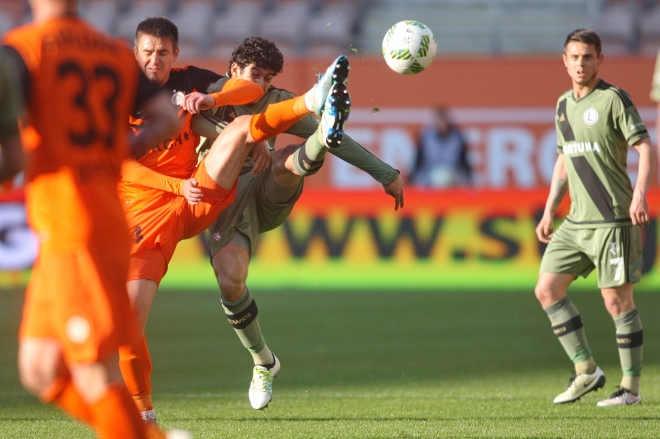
585	36
260	51
159	27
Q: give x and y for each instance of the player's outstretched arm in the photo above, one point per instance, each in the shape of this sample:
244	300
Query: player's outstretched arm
135	172
558	188
234	92
648	157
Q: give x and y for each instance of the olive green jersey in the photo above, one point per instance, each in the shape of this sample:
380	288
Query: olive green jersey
655	86
210	123
593	133
10	99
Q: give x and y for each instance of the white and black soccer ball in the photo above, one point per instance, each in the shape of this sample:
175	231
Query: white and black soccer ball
409	47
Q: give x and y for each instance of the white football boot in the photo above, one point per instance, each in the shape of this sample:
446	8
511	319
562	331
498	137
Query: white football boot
581	384
620	397
337	73
261	387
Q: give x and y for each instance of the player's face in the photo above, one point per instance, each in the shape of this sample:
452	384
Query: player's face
251	72
155	57
582	63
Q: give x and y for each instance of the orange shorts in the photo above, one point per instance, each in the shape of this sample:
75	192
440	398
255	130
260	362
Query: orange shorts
79	297
168	219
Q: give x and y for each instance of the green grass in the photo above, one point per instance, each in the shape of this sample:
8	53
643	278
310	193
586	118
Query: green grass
367	365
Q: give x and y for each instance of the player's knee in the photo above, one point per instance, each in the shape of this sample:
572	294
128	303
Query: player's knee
543	293
231	286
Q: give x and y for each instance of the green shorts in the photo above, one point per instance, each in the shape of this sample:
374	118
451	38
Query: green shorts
252	212
615	253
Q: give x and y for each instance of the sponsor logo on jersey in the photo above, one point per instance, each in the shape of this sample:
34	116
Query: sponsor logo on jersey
613	248
580	147
77	329
216	236
637	125
590	116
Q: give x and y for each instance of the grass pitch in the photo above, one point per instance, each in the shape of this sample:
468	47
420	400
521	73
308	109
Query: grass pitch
367	365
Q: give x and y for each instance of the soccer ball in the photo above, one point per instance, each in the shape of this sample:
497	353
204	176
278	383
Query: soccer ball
409	47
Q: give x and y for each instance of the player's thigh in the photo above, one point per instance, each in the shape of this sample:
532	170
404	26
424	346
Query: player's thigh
275	202
39	363
228	152
618	255
199	217
82	295
565	254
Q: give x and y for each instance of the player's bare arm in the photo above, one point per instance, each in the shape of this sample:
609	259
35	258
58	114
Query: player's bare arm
261	158
395	190
639	208
558	188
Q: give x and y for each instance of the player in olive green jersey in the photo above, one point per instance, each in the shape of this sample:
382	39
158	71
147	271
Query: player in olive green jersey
595	124
267	192
12	158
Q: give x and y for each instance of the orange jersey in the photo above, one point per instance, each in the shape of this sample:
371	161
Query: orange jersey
176	157
82	85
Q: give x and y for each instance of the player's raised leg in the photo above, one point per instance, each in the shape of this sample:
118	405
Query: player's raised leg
227	155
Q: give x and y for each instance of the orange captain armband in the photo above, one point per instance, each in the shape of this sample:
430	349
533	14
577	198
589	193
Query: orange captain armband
237	92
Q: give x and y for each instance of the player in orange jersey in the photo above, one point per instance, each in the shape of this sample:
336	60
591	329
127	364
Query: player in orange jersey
156	190
80	88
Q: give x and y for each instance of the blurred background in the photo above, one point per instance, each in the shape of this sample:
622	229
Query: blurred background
496	78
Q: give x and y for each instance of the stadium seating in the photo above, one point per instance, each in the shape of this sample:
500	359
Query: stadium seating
235	21
194	19
102	13
333	25
649	29
302	27
285	23
137	11
617	25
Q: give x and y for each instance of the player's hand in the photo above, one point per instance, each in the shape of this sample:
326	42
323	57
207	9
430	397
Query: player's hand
191	192
544	230
196	102
261	158
395	190
639	209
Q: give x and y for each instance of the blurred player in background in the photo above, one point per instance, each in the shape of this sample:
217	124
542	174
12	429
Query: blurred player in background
80	86
11	105
268	188
595	123
169	197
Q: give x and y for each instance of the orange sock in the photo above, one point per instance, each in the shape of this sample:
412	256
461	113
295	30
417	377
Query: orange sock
115	416
135	365
63	394
277	118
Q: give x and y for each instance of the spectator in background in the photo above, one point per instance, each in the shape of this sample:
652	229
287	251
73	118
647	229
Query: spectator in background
441	155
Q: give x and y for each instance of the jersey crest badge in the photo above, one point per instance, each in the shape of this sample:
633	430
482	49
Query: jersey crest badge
590	116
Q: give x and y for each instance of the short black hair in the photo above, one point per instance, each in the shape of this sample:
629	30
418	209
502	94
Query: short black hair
159	27
260	51
585	36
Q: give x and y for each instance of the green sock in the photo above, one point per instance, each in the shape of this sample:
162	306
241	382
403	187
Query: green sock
308	158
567	326
243	316
630	339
